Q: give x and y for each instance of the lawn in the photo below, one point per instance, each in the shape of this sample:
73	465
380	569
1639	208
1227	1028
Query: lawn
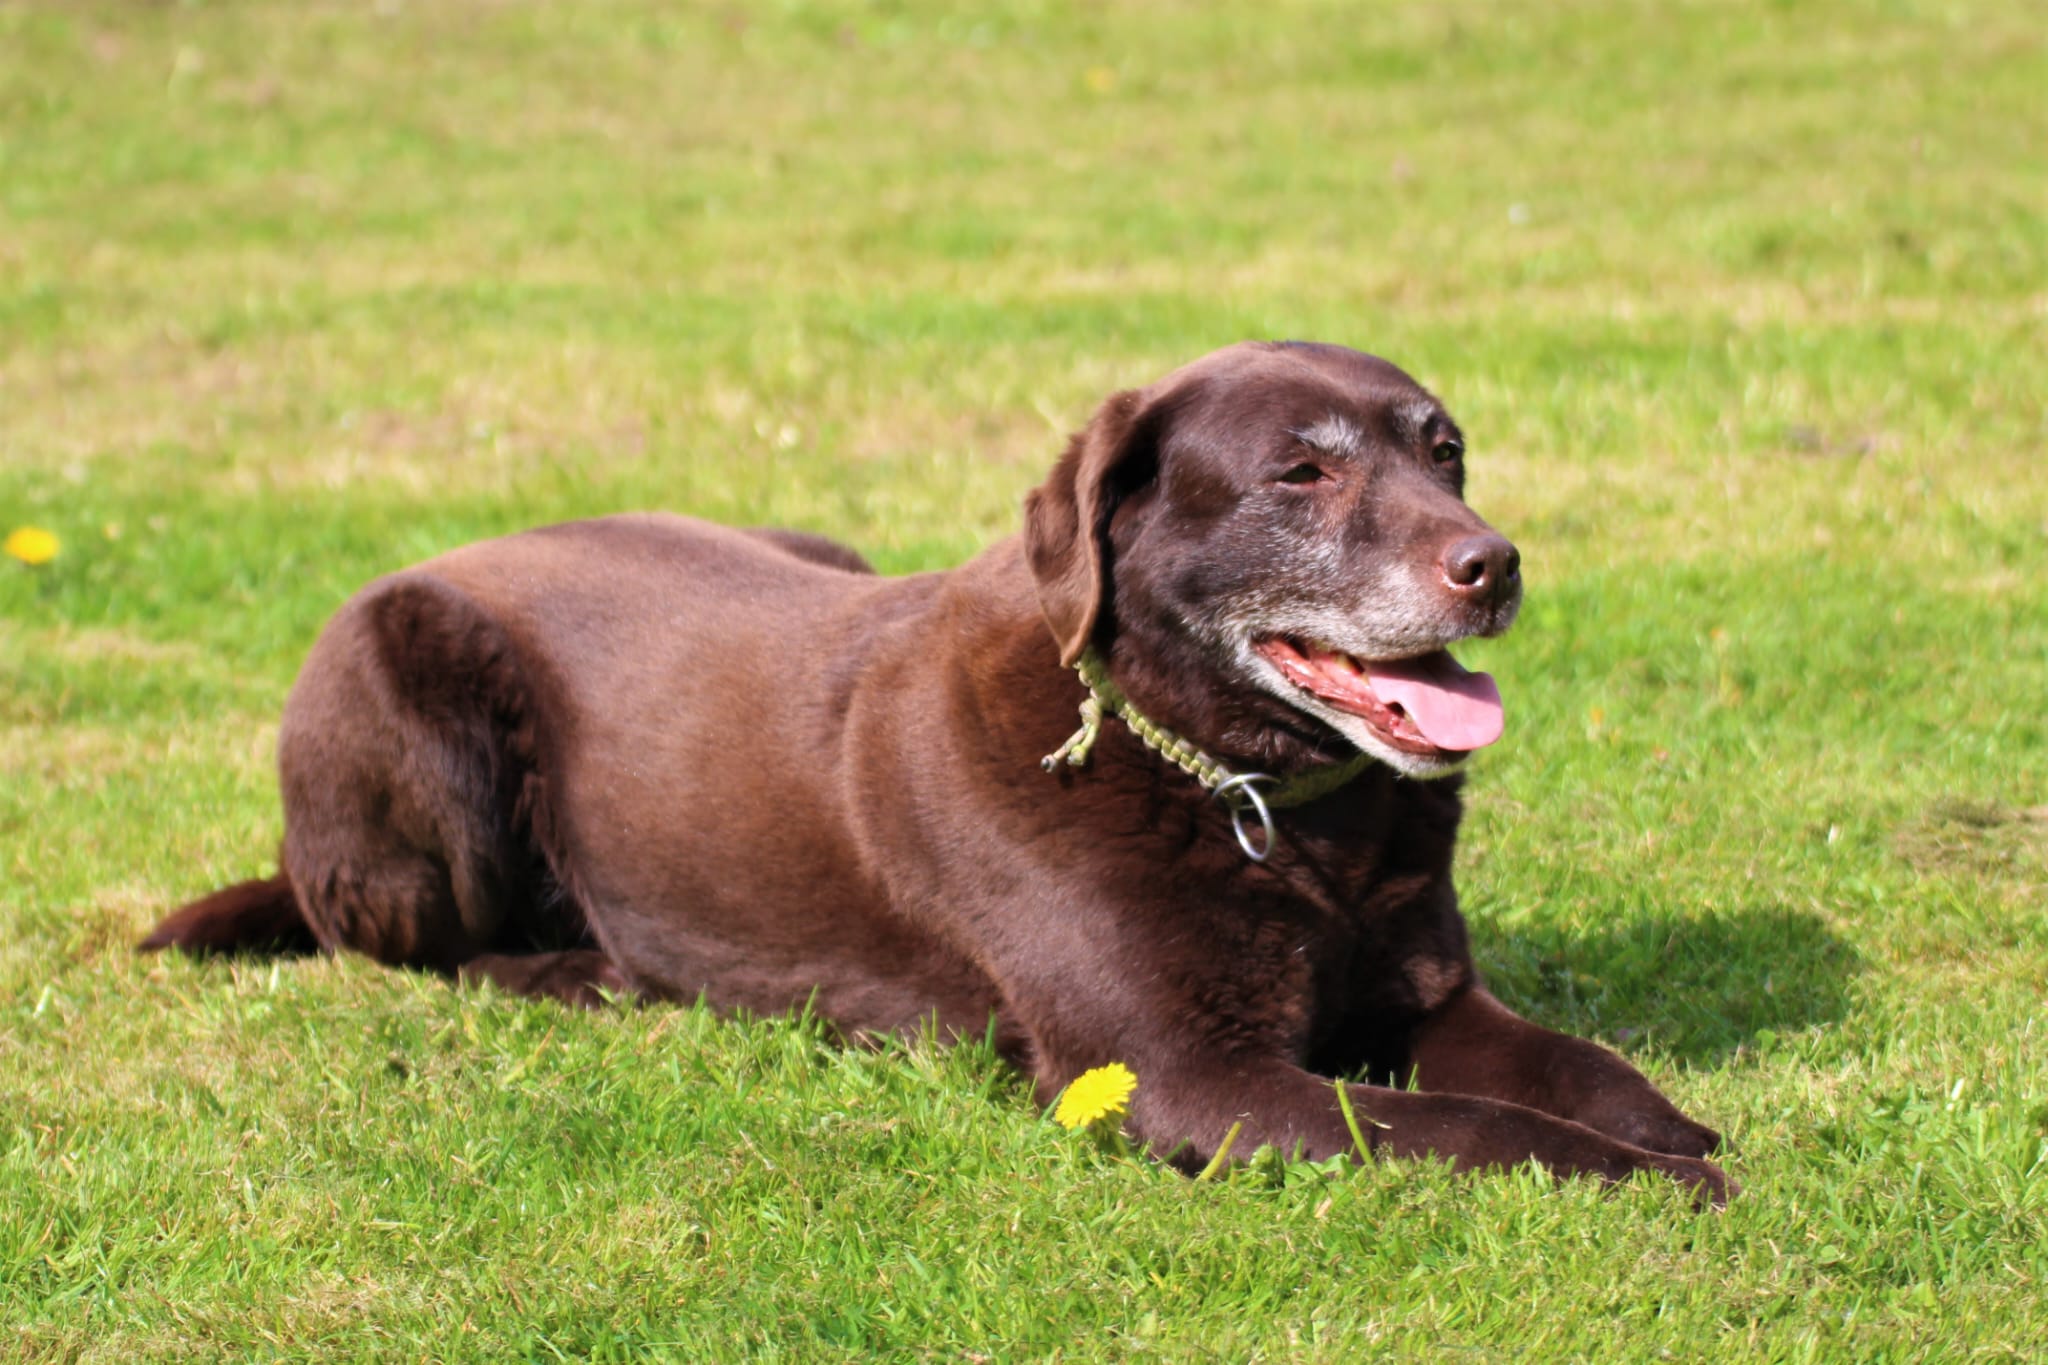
1743	305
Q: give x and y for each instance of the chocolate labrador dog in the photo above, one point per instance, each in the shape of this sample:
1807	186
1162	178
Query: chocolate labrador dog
646	755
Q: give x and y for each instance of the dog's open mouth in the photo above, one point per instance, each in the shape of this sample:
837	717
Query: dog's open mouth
1430	704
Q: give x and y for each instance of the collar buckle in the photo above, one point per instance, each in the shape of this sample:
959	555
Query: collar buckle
1238	791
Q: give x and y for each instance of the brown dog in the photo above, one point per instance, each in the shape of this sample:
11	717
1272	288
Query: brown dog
650	755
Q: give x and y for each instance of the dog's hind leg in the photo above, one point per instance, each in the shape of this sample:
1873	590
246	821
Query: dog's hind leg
578	976
410	766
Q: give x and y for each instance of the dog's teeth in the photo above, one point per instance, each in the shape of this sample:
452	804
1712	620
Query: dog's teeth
1329	653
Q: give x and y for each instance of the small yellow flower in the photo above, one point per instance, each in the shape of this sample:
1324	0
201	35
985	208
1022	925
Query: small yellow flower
31	545
1096	1094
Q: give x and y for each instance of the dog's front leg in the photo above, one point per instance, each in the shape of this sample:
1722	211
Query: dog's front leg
1190	1113
1474	1045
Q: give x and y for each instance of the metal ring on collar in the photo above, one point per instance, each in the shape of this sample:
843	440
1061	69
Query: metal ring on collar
1235	793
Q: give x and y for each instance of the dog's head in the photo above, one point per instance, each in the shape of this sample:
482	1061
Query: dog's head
1288	519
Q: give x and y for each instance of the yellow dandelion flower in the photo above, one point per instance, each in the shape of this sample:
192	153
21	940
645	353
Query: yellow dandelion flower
1096	1094
31	545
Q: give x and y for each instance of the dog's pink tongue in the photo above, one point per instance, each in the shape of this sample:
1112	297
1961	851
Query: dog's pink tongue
1453	707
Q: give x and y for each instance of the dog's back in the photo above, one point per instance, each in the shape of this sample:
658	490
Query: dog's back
650	674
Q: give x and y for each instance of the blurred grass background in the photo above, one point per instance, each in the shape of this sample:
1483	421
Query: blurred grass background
1743	307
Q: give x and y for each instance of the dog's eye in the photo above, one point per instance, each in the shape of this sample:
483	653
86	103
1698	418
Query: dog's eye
1304	473
1447	452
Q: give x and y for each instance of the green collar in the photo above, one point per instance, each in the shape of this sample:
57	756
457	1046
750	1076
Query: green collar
1238	791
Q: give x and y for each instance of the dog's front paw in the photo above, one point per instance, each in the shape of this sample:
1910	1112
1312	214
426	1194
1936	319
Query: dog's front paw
1639	1116
1711	1186
1671	1134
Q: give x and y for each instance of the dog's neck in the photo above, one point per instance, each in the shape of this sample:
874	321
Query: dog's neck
1010	679
1106	699
1178	687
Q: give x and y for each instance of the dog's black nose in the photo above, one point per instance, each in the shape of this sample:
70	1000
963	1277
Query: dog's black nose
1483	566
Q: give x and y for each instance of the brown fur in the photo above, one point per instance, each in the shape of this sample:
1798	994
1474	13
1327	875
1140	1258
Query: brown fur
656	756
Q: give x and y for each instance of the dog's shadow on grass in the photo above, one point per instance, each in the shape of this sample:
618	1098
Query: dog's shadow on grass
1694	987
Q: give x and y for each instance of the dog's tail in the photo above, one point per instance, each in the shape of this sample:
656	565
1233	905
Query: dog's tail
259	917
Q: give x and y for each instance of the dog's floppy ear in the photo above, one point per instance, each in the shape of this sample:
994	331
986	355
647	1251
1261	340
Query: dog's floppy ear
1066	518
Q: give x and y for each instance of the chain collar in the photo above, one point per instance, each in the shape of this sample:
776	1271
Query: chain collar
1258	793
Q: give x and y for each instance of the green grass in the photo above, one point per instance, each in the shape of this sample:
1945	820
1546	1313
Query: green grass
1740	302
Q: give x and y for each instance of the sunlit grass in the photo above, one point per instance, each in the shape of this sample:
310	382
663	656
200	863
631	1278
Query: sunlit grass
1741	305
